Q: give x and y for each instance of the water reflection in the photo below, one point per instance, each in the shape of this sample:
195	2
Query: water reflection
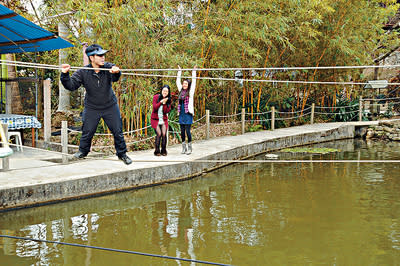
301	213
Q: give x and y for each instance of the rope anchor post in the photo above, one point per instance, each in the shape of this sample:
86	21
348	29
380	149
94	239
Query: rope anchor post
312	113
243	120
272	118
207	124
64	141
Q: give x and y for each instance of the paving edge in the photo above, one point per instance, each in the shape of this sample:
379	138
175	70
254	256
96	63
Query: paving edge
35	195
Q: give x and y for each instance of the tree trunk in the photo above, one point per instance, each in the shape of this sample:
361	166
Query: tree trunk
63	100
16	105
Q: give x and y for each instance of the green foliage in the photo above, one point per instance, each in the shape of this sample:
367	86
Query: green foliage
254	128
346	110
257	33
389	111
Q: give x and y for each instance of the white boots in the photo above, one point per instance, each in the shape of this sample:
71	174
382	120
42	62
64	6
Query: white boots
186	148
189	149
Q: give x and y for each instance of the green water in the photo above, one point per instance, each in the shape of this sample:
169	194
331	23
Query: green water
246	214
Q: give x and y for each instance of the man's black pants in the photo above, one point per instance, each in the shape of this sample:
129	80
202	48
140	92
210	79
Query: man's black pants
112	118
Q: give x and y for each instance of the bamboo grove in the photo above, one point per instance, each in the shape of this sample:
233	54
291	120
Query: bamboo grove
230	33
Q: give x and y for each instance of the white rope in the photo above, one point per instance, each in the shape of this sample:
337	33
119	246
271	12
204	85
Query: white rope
380	104
260	80
350	112
228	69
110	134
199	119
225	116
291	118
295	112
383	99
257	120
200	127
268	112
334	107
223	124
128	143
123	72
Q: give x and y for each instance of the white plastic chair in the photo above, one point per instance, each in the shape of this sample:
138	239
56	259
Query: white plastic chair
18	140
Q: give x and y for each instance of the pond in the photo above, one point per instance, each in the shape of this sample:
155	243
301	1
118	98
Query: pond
243	214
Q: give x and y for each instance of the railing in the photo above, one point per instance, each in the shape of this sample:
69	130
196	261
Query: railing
271	117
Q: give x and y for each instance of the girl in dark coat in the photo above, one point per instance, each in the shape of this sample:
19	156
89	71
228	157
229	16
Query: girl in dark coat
159	119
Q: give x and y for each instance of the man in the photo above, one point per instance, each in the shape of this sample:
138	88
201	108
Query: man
100	100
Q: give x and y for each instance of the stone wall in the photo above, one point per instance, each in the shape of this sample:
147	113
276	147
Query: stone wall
386	130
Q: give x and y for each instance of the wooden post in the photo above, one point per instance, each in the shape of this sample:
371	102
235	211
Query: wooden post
312	113
47	110
207	124
360	109
33	137
243	120
64	141
273	118
6	160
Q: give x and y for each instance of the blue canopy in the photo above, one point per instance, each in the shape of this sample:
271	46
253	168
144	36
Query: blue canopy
19	35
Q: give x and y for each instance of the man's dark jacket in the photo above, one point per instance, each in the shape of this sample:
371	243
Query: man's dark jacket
99	92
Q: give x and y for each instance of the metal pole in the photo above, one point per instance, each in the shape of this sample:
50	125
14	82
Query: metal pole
243	120
8	97
207	124
64	141
6	160
47	110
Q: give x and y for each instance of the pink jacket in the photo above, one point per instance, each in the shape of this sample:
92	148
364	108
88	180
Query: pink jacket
154	114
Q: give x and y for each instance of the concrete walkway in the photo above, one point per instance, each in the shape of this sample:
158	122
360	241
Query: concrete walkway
38	177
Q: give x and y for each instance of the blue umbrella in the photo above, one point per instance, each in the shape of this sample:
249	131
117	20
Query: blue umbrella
19	35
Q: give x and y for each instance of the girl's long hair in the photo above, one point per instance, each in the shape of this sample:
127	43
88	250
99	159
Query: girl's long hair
160	96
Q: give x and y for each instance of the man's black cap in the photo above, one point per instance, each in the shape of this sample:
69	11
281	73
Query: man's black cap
95	49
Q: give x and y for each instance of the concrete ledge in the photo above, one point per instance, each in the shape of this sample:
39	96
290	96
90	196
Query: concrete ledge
50	183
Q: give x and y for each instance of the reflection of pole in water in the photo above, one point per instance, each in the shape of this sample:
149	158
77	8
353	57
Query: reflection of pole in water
272	169
358	163
89	240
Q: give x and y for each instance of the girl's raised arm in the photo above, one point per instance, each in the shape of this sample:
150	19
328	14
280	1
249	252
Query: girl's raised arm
178	79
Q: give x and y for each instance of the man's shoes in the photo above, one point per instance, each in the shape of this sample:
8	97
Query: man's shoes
80	155
125	159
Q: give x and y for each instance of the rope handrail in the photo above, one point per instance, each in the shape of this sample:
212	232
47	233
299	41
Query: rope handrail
383	99
379	104
110	134
123	72
263	113
335	107
295	112
128	143
199	119
260	80
293	117
230	68
257	120
222	124
225	116
325	113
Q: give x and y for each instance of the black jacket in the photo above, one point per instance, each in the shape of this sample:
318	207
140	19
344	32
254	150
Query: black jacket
99	92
